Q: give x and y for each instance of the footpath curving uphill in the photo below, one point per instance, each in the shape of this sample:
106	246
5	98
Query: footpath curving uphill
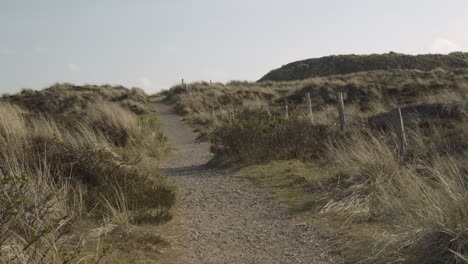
228	219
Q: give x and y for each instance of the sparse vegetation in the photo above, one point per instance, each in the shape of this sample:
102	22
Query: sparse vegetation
412	211
76	170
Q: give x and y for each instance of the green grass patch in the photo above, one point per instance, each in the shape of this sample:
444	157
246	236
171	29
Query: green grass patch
297	185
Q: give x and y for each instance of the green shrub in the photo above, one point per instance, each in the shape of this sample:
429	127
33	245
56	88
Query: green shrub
258	136
34	228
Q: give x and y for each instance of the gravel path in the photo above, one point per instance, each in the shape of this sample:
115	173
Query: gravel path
229	219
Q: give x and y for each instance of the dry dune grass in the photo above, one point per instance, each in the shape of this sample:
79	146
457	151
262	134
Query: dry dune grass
204	104
423	198
365	93
354	176
64	98
71	161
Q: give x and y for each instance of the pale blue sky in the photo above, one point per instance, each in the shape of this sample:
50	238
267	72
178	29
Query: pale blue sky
153	44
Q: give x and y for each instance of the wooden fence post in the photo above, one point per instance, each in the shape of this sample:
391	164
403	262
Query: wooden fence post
309	105
287	111
341	110
401	135
184	85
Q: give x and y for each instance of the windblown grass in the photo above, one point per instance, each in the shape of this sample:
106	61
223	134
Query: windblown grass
70	165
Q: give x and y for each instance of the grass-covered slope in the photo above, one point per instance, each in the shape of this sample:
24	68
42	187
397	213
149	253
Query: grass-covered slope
345	64
78	175
380	208
205	105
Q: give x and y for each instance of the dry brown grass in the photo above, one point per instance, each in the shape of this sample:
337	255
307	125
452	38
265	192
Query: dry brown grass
366	94
64	98
73	166
204	105
415	210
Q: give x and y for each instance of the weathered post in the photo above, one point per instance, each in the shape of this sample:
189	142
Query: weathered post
401	136
309	105
287	111
184	85
341	110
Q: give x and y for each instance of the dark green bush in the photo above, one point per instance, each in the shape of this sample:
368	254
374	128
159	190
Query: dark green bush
257	136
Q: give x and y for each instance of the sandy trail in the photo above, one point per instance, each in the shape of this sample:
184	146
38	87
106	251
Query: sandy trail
228	219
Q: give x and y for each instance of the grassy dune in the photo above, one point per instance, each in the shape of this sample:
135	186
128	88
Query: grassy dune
366	94
377	207
346	64
78	173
